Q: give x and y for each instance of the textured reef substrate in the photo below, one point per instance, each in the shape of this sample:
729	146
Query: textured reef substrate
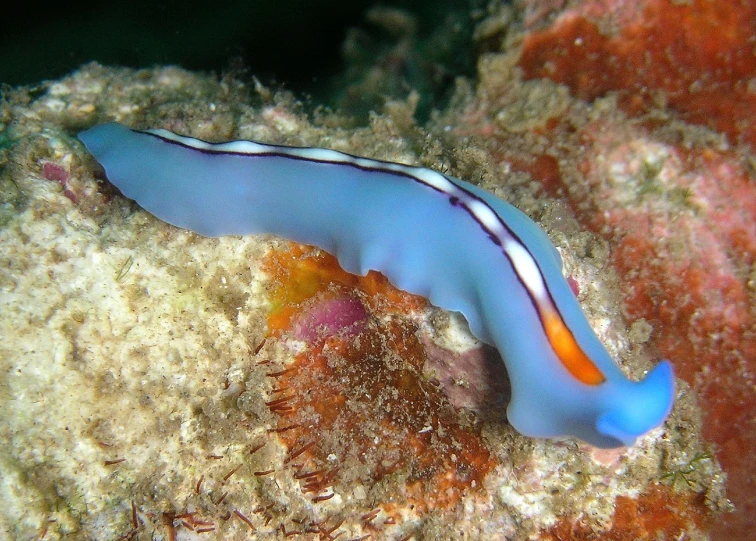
159	384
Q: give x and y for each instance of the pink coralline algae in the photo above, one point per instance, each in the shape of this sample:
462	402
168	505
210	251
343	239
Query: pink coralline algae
58	173
325	317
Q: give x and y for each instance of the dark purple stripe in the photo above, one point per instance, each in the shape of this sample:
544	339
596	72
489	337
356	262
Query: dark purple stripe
453	200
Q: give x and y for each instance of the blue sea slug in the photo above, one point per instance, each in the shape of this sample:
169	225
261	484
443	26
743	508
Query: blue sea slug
430	234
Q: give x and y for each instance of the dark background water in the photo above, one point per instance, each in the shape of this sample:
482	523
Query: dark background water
298	43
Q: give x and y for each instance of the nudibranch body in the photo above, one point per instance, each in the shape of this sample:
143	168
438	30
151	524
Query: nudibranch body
430	234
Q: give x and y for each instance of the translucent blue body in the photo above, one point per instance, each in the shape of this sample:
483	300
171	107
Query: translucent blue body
374	218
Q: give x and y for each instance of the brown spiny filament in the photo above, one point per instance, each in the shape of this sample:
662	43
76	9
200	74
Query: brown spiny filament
298	452
284	428
245	520
370	516
291	533
259	346
256	448
264	509
305	475
318	483
328	533
281	372
273	404
229	474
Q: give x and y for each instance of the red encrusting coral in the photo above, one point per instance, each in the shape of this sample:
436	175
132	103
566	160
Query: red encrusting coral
659	513
360	408
679	216
680	227
685	253
680	223
695	57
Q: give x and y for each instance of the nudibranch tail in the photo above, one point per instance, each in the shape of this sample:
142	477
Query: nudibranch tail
430	234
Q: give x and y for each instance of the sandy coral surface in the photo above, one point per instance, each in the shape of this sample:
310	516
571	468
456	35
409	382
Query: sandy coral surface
161	385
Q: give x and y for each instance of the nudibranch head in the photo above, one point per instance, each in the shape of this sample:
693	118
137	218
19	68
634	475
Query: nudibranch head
644	405
614	413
